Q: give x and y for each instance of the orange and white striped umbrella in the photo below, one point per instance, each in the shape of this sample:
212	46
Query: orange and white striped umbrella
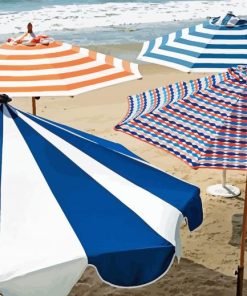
59	69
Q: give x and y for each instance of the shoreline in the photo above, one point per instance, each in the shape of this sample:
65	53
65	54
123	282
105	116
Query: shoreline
127	51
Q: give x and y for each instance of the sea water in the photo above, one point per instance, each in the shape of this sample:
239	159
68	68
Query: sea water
94	22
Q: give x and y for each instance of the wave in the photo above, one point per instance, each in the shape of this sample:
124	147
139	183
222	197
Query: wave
80	16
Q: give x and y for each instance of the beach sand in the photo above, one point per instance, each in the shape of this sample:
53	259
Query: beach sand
210	253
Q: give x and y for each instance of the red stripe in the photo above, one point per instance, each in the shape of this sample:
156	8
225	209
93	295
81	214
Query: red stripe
166	137
173	153
183	130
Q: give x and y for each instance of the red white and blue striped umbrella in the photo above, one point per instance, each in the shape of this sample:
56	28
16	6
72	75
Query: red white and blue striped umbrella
204	121
69	199
213	46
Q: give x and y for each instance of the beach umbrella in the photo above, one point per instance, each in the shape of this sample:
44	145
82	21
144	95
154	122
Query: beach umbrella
213	46
58	69
69	199
203	122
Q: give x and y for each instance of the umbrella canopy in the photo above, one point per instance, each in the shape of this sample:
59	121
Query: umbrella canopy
69	199
58	69
213	46
204	121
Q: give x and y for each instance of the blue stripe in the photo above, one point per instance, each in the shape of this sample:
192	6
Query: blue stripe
189	64
103	142
134	171
172	119
205	55
164	138
192	31
157	143
205	45
125	250
242	25
180	153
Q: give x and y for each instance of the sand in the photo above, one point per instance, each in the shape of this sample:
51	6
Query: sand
210	253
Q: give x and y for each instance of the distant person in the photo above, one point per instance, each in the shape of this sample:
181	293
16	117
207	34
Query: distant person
26	37
29	38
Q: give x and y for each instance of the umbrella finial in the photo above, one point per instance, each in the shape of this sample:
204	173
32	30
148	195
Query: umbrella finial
4	99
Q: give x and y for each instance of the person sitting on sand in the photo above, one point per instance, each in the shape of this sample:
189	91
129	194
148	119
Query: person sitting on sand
29	38
26	37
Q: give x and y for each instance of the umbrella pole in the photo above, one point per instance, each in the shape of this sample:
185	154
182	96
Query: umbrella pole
34	105
223	189
240	271
224	178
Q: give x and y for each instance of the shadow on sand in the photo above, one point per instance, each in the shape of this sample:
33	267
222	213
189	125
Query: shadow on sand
184	279
236	230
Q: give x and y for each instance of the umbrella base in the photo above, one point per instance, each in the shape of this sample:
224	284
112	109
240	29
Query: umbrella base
226	190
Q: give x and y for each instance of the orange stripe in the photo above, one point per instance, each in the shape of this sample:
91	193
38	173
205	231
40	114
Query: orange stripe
74	50
92	54
65	87
48	66
57	76
109	60
26	47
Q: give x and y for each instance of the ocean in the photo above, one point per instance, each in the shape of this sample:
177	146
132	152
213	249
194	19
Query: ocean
95	22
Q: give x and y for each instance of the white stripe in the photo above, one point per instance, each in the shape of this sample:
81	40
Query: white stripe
35	233
46	61
199	49
135	70
185	57
60	81
165	63
75	91
181	67
216	41
51	71
186	35
144	49
118	68
40	283
158	214
89	65
28	51
201	29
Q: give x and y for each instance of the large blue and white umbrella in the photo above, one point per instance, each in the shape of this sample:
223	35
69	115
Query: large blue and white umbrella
213	46
69	199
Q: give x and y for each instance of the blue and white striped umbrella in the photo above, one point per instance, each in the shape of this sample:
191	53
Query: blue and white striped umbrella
69	199
213	46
